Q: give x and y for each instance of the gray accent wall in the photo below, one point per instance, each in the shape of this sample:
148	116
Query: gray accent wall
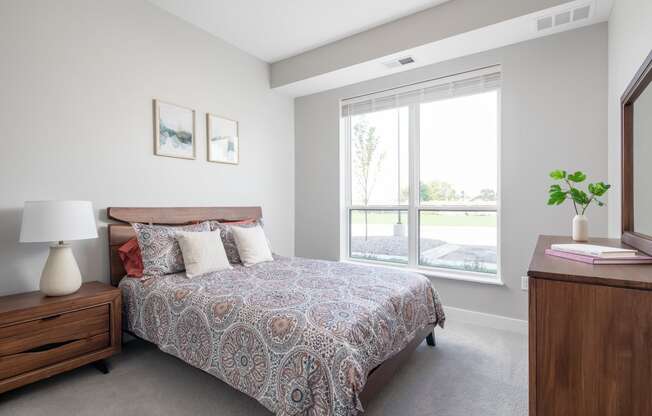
554	115
77	81
630	42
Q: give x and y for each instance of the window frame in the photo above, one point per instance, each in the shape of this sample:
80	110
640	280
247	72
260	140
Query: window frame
414	206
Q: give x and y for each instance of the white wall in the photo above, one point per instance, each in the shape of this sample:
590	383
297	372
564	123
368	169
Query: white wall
630	41
553	116
77	80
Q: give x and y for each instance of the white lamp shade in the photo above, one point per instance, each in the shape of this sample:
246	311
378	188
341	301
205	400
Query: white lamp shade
57	221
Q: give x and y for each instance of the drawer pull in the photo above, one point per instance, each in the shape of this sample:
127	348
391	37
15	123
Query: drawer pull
50	346
49	318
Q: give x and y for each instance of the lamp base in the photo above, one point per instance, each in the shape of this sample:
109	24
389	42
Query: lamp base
61	275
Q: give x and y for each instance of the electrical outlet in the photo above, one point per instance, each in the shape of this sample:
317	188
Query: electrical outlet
524	282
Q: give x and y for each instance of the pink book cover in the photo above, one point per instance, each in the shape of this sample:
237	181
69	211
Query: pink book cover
639	259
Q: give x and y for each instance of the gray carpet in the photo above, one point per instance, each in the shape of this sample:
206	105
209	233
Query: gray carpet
472	371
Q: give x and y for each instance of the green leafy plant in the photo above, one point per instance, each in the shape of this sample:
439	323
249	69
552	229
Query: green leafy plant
557	194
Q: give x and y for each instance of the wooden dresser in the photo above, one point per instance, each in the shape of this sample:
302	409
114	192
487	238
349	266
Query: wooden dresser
42	336
590	336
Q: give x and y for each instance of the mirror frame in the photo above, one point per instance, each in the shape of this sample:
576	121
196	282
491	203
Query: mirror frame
641	81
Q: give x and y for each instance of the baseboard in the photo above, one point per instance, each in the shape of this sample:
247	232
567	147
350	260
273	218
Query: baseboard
485	319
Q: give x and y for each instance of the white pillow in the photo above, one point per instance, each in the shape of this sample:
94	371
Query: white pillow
252	245
203	252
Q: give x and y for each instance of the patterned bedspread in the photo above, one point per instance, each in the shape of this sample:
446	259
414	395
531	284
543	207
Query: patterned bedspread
298	335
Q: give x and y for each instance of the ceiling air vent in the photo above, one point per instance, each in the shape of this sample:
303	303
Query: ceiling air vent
544	23
395	63
563	18
581	13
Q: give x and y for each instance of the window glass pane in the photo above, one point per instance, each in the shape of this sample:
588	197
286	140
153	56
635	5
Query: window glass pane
462	240
379	235
458	150
379	158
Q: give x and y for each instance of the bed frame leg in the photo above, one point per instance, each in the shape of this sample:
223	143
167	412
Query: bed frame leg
430	339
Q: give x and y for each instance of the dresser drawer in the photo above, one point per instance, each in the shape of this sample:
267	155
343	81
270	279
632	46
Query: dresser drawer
11	365
40	334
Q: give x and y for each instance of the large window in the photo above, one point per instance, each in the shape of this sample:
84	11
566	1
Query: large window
421	171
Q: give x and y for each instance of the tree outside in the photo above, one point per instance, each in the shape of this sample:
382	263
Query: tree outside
367	160
440	191
487	195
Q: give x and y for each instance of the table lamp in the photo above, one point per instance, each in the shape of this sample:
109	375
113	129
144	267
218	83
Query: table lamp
58	221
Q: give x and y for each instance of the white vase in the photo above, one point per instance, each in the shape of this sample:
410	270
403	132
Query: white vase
580	228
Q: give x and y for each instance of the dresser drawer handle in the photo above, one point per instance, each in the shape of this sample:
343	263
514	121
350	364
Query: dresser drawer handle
51	346
49	318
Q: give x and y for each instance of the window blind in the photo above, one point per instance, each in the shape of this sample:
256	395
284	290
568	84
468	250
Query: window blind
459	85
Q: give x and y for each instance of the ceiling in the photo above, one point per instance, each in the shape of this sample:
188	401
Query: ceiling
275	30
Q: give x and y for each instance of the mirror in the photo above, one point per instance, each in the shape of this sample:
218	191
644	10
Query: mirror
636	105
642	151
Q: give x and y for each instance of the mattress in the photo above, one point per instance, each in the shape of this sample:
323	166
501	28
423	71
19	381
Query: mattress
298	335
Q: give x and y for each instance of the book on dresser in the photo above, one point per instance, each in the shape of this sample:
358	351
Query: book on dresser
594	250
597	260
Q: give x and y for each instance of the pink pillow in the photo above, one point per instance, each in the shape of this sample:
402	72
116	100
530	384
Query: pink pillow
131	258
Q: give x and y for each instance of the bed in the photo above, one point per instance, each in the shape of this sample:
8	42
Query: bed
301	336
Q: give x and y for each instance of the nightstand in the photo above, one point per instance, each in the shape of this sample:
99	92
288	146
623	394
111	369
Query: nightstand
43	336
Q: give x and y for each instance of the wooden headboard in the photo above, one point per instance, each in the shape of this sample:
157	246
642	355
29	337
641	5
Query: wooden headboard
121	233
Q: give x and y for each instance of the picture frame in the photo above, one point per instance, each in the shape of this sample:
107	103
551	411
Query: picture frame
222	139
174	130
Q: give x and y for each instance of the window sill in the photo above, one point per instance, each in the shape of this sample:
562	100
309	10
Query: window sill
435	273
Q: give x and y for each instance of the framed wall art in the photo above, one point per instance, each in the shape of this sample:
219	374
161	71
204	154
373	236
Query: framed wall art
174	130
223	140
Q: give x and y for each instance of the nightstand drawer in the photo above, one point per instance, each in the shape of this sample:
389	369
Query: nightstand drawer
62	328
11	365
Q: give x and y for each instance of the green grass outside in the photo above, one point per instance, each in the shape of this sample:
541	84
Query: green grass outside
429	218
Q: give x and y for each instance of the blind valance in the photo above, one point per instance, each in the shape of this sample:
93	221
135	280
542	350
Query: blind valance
474	82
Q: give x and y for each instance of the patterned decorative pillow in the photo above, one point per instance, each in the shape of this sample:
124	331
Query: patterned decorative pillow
159	247
227	237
